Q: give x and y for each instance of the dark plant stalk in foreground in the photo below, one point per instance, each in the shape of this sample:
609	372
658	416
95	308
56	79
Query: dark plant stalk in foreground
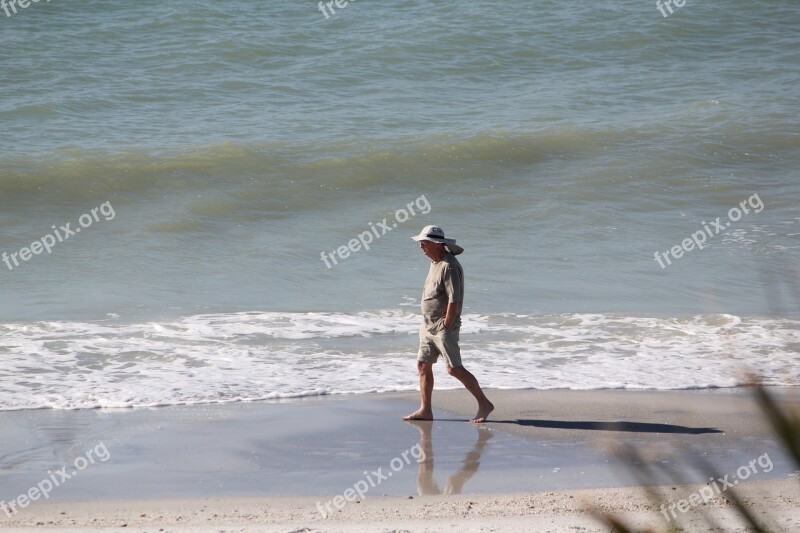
785	422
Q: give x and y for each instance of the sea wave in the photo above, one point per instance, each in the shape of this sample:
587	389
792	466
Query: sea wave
253	356
281	175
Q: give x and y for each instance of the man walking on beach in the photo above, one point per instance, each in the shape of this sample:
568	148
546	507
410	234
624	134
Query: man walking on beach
442	300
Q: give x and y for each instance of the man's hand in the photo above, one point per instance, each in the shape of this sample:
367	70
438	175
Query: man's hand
451	315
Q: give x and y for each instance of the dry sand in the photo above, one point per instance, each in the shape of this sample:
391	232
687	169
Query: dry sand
547	511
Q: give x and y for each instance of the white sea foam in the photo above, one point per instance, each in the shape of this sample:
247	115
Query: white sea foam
256	356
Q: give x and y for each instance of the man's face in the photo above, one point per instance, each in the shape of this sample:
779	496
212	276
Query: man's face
433	250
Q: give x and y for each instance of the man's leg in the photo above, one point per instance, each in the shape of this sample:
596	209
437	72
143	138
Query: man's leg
471	383
471	463
448	345
425	411
426	484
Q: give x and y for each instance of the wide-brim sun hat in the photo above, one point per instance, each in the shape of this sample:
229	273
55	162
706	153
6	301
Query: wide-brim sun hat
436	234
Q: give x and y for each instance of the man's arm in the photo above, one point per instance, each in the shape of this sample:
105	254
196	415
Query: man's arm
451	315
452	286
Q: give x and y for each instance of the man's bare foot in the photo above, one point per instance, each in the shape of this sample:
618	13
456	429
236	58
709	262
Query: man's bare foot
483	412
419	414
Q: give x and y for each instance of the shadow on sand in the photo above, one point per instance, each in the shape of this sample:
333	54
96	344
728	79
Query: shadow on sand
631	427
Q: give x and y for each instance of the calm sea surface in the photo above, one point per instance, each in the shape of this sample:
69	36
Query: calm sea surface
210	152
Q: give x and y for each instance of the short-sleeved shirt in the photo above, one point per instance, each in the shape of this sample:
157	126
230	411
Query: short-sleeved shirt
444	285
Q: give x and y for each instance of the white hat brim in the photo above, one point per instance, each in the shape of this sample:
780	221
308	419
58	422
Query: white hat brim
450	244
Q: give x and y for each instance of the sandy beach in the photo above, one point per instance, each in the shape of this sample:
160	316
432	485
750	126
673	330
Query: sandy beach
544	460
545	511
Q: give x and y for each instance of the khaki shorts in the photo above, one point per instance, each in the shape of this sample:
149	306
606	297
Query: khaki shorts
439	341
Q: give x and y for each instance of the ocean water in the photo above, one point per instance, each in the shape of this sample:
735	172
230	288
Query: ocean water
216	155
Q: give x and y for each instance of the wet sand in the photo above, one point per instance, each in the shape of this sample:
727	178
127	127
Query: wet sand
350	463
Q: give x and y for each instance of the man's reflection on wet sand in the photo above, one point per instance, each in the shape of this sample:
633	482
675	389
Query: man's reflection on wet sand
426	484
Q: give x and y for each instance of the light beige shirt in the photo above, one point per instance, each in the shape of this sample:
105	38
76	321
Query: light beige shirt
444	284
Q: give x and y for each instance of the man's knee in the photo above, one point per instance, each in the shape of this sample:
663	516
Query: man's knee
455	370
424	367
